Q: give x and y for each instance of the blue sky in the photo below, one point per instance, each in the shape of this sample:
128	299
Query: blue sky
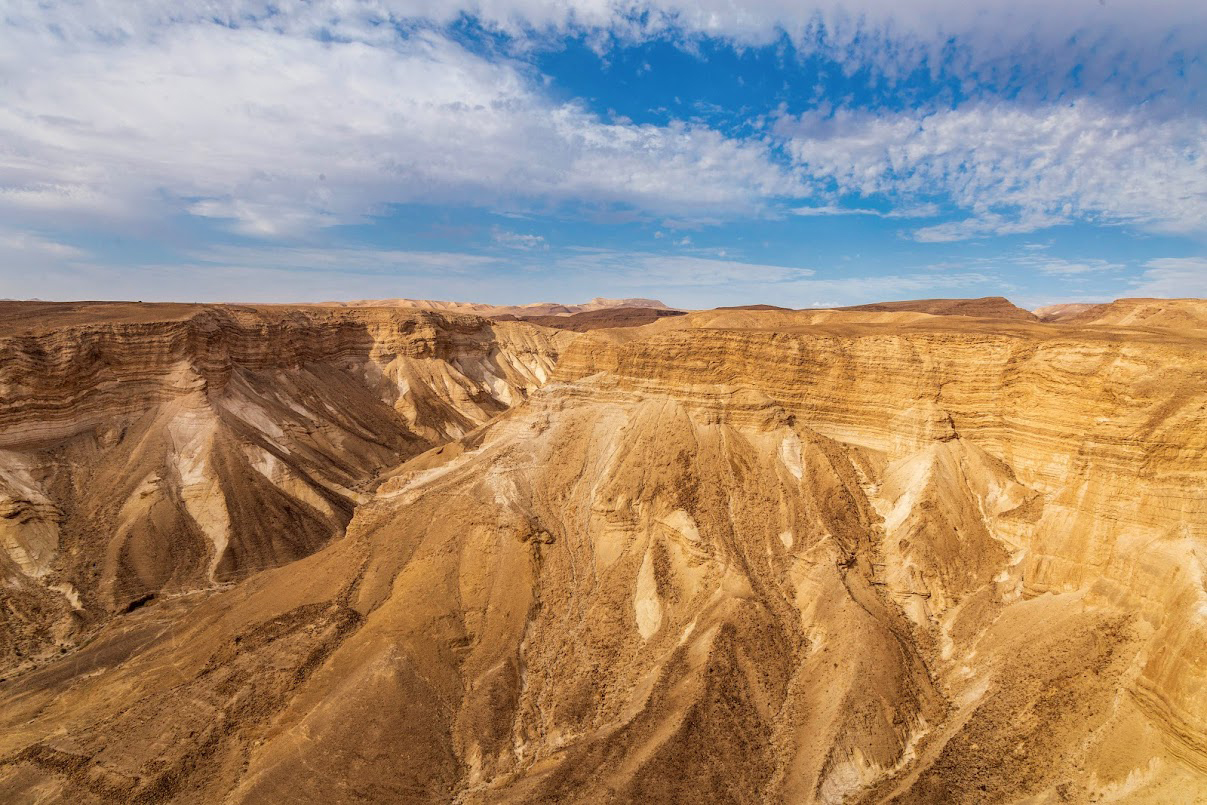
704	153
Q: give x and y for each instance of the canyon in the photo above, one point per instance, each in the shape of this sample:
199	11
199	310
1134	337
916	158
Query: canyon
941	551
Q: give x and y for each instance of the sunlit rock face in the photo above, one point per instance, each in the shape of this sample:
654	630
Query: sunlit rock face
729	556
148	452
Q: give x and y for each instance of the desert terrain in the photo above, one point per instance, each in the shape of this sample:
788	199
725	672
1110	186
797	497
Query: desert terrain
410	551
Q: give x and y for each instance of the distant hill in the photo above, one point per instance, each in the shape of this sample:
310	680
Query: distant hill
754	307
991	307
481	309
1169	314
596	319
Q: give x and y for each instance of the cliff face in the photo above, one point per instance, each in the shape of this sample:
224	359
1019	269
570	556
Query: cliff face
731	556
146	455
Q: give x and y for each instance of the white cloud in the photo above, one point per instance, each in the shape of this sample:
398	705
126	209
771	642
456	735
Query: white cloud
27	244
297	115
276	274
1015	168
517	240
1173	277
352	259
987	225
701	282
826	210
928	210
30	265
606	267
135	116
1068	268
249	274
1125	45
852	289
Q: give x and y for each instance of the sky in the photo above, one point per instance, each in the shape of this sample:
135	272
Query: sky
711	152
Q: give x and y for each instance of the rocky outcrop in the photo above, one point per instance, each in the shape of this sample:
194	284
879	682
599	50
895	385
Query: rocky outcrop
144	456
730	556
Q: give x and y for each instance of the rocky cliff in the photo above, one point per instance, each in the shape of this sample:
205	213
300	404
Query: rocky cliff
147	451
730	556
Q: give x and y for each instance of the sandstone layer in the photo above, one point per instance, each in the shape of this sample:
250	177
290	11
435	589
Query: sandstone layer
156	450
732	556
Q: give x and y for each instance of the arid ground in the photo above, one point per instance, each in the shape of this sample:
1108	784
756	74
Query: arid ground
945	551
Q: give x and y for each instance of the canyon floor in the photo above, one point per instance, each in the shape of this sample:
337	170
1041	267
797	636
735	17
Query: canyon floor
947	551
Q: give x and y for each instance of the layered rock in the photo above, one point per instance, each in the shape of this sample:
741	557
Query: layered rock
142	455
733	556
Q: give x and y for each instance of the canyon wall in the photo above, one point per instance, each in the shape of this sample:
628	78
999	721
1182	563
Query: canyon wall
148	451
730	556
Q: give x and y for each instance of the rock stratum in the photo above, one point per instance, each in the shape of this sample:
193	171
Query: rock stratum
734	556
157	450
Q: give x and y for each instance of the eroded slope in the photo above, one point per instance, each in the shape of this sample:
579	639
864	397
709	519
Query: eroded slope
148	451
727	557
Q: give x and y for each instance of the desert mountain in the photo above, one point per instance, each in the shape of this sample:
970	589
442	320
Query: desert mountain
742	556
534	309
